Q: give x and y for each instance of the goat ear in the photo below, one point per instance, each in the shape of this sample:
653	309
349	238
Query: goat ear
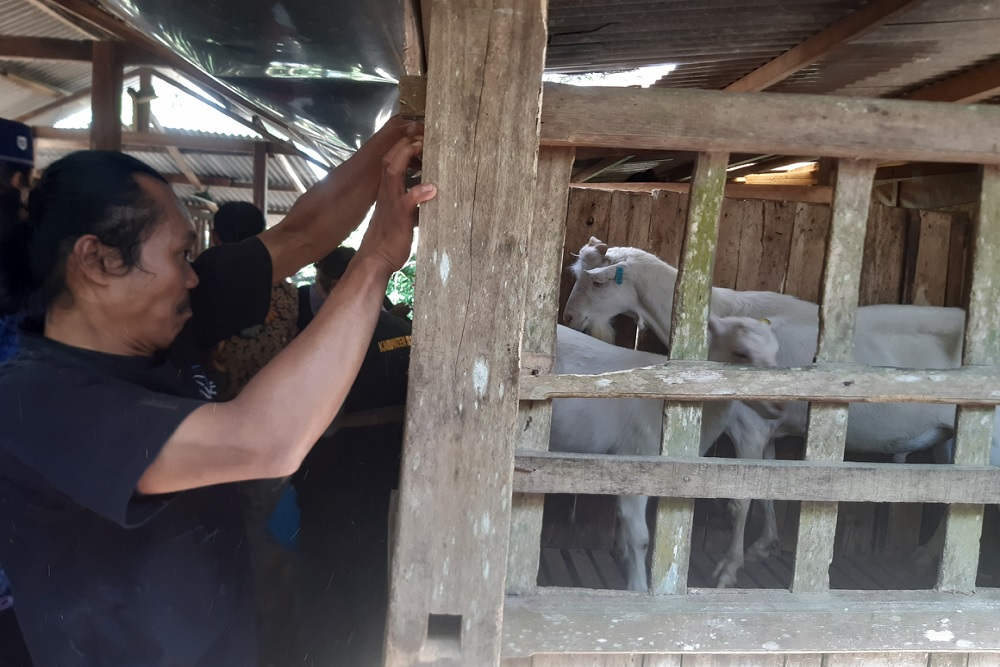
597	244
603	274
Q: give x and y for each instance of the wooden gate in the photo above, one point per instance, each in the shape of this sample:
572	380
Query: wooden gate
485	245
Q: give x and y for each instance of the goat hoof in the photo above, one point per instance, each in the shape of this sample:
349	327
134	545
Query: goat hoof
725	573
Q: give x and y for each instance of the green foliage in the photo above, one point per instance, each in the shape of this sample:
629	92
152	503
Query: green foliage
400	289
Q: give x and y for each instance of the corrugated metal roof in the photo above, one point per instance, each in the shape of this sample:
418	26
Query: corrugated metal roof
26	20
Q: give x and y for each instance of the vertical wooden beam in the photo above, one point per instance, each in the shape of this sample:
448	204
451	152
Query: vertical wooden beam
260	175
447	586
827	422
964	523
548	231
688	340
106	97
142	110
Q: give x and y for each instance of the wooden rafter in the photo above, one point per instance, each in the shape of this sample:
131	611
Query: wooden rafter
974	85
58	15
49	48
297	183
224	182
108	23
54	137
178	158
602	166
69	99
106	97
870	16
29	83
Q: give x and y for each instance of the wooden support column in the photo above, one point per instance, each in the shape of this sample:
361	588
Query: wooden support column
688	340
964	523
449	566
260	175
827	431
545	246
106	97
144	96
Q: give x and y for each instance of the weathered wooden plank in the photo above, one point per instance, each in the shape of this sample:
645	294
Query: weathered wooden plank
787	124
448	570
882	265
548	229
587	661
955	289
814	194
899	535
779	221
588	214
662	661
960	559
628	226
708	660
855	529
803	660
666	226
883	659
552	472
751	248
951	660
837	383
751	622
688	340
930	275
805	262
827	430
727	248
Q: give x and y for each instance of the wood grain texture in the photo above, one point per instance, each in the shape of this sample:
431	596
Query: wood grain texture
827	430
882	263
106	97
751	622
671	542
803	276
786	124
552	472
588	214
455	490
548	230
932	259
960	560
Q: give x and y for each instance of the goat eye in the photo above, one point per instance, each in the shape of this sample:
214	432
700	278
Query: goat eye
742	356
597	284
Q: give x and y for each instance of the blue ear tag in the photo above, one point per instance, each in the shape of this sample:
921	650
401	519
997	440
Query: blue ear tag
619	273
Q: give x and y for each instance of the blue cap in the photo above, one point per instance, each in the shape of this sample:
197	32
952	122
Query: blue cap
15	143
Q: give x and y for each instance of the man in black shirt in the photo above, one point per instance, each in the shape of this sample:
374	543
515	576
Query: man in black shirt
123	537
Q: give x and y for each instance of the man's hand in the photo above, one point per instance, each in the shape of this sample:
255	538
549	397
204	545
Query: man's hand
390	232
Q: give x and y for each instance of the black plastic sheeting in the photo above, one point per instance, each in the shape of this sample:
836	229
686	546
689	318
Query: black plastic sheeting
328	68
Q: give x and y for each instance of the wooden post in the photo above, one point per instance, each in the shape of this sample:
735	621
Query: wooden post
548	231
142	111
106	97
827	431
964	523
688	340
260	176
447	586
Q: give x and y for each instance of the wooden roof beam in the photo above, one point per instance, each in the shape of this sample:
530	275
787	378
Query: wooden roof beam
870	16
974	85
225	182
69	99
109	23
59	138
49	48
32	84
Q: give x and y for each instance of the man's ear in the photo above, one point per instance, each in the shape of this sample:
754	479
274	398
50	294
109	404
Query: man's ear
98	262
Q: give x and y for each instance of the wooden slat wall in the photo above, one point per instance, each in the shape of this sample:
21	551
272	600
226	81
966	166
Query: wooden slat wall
779	246
761	660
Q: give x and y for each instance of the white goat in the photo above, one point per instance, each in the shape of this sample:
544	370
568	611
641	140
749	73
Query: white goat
612	281
632	425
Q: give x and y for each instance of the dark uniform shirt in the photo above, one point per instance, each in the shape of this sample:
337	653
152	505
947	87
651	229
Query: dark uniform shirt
102	574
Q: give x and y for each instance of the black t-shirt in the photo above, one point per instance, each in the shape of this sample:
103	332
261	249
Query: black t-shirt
103	575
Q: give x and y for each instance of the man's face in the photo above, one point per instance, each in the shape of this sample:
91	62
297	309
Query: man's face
151	300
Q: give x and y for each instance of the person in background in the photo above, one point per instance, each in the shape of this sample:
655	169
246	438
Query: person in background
235	361
117	469
16	163
344	489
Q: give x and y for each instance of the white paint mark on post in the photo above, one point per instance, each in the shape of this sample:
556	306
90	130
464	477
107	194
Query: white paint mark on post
444	268
480	376
939	635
